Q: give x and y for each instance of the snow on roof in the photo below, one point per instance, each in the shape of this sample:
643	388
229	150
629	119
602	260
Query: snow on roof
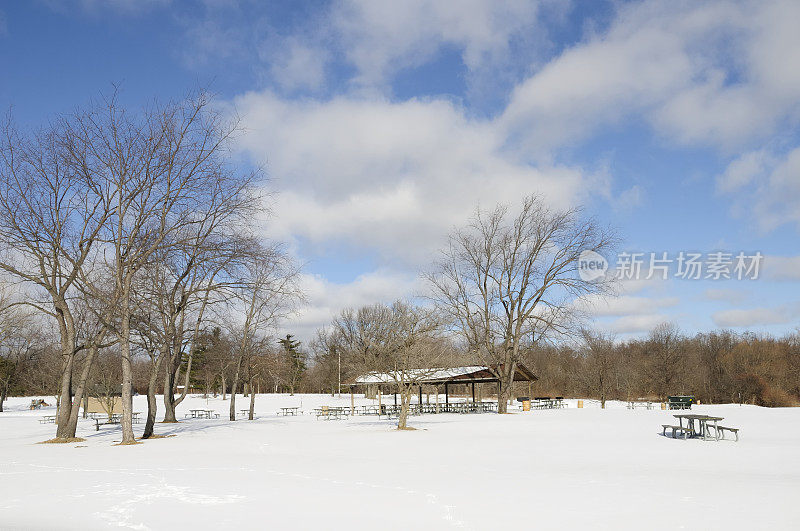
424	374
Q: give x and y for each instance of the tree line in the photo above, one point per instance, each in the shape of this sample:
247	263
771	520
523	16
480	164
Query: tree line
716	367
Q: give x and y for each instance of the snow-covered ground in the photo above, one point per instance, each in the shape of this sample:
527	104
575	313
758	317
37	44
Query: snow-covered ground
554	469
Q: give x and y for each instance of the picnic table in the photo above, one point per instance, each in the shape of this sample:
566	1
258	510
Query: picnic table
48	419
468	407
291	410
373	410
329	413
545	402
703	424
202	414
115	418
633	405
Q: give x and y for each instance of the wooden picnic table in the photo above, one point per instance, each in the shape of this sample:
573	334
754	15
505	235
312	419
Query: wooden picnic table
703	424
374	409
290	410
202	413
331	412
48	419
115	418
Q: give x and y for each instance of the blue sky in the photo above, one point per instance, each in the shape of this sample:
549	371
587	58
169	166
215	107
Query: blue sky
382	125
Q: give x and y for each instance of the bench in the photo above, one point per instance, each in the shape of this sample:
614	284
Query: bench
675	429
722	429
680	402
50	419
99	420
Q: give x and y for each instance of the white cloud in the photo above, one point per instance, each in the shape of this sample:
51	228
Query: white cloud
767	187
99	7
719	73
295	65
394	177
629	199
781	267
626	305
637	323
757	316
327	299
382	37
731	296
743	171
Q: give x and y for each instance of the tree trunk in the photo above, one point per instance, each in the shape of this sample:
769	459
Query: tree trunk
170	377
80	392
152	403
127	370
64	428
224	389
506	382
252	402
405	402
233	389
186	376
3	396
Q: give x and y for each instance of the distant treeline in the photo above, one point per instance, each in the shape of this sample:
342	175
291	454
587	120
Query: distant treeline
716	367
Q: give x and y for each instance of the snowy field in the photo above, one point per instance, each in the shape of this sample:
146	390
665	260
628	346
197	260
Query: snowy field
554	469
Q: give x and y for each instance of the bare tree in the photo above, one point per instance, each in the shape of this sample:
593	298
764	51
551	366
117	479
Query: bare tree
507	282
172	298
268	291
400	343
327	360
414	352
51	216
20	341
159	173
666	353
600	363
106	376
199	274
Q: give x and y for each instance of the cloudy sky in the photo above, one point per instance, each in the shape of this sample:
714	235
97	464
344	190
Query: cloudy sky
383	125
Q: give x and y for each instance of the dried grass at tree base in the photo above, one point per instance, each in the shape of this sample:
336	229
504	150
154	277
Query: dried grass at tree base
63	440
